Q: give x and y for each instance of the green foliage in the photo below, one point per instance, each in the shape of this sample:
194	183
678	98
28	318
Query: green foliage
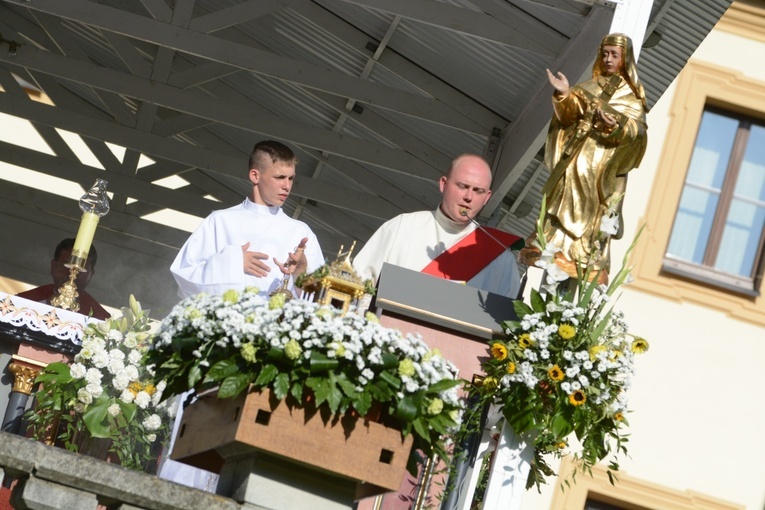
105	394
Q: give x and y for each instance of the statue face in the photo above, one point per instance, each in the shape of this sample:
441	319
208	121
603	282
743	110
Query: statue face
612	59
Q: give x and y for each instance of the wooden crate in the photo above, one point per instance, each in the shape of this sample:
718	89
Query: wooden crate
349	447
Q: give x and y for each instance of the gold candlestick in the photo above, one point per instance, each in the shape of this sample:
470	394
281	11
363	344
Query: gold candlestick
94	204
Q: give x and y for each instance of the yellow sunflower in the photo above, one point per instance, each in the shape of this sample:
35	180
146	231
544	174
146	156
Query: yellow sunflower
640	345
577	398
555	373
524	340
510	367
499	351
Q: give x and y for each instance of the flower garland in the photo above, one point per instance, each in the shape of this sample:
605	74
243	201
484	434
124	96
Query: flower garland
106	393
346	362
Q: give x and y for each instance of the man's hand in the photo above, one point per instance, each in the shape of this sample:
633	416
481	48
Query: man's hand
253	262
296	262
559	83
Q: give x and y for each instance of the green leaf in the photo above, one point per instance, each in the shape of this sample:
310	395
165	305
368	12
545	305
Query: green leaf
561	427
521	308
233	385
297	391
443	385
221	370
390	379
538	303
266	375
321	364
128	410
389	361
281	386
321	389
195	375
57	372
184	345
362	402
406	408
348	387
421	428
95	415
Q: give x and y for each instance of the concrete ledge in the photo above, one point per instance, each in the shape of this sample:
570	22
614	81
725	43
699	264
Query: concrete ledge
80	480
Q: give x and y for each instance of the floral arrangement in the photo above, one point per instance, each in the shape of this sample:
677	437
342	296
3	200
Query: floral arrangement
563	370
349	363
106	393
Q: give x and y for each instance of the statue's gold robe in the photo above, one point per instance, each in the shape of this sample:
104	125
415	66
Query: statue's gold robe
588	169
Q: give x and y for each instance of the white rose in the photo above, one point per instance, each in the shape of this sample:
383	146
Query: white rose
114	409
93	376
153	422
132	372
120	381
100	359
142	399
134	357
84	396
115	335
127	396
131	341
94	389
151	438
79	407
116	354
78	370
115	366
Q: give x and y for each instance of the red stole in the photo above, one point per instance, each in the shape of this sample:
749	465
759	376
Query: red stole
467	257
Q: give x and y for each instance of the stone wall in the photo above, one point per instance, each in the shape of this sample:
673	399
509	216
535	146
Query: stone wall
49	478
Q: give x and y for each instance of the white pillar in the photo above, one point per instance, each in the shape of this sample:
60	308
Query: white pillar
631	18
508	473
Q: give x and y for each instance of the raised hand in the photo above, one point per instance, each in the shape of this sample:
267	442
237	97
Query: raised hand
559	83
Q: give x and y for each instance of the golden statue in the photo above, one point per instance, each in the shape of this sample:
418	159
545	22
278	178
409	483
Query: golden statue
596	136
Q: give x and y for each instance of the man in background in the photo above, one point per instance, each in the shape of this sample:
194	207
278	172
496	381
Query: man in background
60	273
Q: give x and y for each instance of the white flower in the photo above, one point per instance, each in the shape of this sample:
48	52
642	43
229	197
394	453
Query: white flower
134	358
93	376
131	340
142	399
609	225
120	381
127	396
151	437
84	396
152	422
80	408
77	370
114	410
94	389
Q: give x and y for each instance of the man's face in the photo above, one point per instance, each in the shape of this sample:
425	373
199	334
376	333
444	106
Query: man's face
60	272
466	190
612	59
272	184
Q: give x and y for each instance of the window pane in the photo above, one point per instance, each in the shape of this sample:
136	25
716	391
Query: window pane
741	238
711	154
746	219
706	175
693	224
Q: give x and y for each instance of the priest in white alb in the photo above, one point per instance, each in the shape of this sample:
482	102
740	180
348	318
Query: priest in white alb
447	242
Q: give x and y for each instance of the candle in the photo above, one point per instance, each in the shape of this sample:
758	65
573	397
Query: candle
84	239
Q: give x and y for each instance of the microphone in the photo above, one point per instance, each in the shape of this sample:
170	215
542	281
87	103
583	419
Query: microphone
463	212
